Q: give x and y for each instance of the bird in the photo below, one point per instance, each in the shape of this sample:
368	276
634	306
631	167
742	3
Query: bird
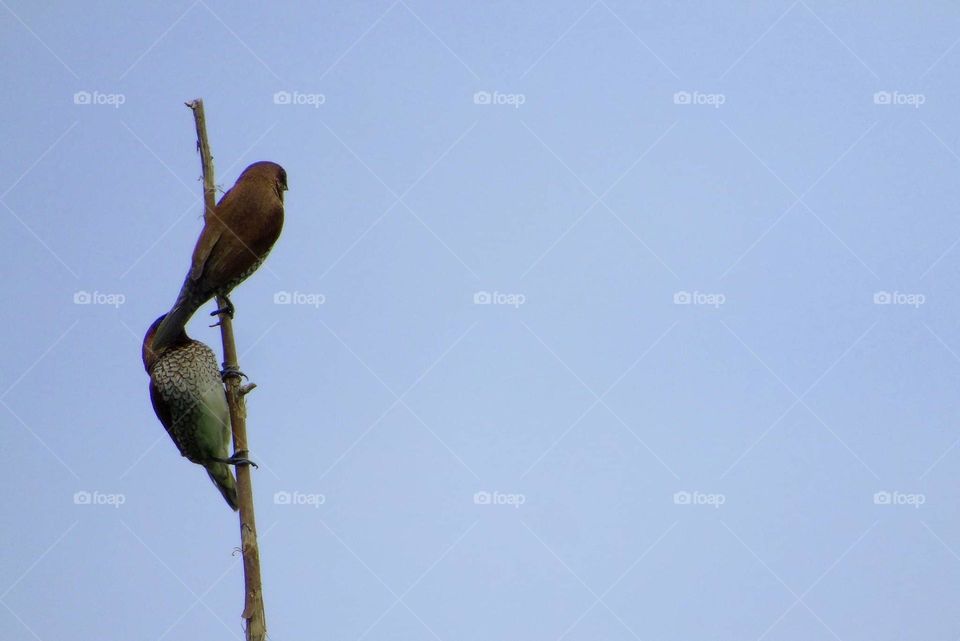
187	395
237	235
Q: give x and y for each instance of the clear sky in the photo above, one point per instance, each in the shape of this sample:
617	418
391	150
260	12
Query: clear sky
589	320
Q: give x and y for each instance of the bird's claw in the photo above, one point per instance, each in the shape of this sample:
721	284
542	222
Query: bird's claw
239	458
229	310
229	371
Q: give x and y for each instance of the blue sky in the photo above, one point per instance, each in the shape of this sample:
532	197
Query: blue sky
589	320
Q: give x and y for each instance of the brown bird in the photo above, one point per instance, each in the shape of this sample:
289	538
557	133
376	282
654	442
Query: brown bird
187	396
236	238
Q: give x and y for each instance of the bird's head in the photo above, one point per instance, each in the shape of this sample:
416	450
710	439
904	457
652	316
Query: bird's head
151	356
267	171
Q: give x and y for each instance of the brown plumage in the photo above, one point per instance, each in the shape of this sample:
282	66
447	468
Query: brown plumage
236	238
188	398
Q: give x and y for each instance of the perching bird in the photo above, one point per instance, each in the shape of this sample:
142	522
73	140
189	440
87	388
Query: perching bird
236	238
187	395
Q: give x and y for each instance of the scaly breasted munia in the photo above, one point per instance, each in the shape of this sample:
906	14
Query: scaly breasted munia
236	238
188	397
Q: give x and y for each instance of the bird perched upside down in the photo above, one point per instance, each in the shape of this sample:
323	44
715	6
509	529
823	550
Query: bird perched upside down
236	238
187	395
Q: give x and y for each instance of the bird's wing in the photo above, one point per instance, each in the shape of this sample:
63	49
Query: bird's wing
162	411
212	231
205	244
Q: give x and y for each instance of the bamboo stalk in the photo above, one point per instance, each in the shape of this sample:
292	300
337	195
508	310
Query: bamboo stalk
255	620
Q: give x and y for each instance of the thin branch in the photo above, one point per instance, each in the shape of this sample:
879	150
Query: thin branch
256	625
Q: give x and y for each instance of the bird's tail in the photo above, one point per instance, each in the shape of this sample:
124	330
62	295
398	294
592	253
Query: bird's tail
174	323
222	477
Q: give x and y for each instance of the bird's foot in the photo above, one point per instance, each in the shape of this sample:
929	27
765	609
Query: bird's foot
239	458
229	310
231	371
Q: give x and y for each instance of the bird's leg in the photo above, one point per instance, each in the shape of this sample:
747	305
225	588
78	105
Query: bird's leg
239	458
228	310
